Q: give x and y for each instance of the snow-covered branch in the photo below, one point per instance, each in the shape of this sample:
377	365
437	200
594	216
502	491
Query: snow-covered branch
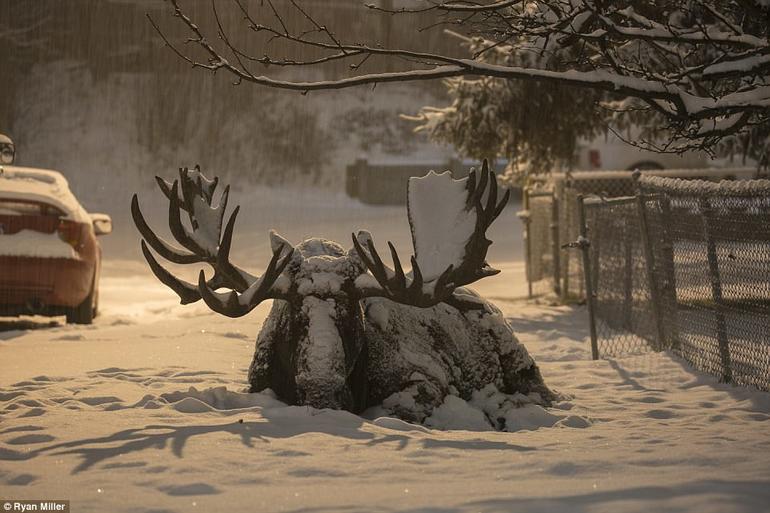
693	64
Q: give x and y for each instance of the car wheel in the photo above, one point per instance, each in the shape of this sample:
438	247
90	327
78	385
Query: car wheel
85	312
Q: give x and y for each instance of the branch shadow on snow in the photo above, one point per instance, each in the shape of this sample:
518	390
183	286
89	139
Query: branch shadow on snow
554	323
737	496
658	372
644	372
281	423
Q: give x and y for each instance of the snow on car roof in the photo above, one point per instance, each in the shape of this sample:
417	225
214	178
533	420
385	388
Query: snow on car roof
31	184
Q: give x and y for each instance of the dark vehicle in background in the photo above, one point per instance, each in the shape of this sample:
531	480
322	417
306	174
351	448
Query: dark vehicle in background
50	258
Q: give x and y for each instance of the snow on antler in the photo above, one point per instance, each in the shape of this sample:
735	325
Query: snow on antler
440	222
205	219
448	223
207	243
267	286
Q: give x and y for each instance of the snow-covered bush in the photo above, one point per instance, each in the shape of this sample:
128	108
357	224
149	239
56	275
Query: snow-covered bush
533	125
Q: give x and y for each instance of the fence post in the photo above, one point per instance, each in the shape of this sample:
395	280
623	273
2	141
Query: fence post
716	290
596	254
668	289
527	220
628	286
568	206
649	259
584	245
555	246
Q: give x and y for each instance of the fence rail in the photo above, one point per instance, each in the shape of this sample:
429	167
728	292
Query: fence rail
683	265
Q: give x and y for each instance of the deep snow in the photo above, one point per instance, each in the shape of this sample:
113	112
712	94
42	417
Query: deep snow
105	415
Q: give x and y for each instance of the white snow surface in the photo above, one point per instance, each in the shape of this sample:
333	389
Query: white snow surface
145	411
29	243
440	224
43	185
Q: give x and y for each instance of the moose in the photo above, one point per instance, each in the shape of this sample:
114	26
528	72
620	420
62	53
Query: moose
346	331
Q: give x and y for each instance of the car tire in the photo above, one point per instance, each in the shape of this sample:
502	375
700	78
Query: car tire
96	303
85	312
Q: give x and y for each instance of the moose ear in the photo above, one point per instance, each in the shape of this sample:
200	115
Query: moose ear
277	241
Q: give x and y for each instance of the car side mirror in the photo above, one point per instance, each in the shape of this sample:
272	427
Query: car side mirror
102	224
7	151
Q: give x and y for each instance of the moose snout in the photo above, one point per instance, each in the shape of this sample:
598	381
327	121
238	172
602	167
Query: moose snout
322	372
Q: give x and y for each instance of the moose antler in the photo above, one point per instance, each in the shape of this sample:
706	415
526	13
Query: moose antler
458	205
206	243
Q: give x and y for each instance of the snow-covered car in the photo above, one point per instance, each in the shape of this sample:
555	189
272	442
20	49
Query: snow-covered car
50	258
610	152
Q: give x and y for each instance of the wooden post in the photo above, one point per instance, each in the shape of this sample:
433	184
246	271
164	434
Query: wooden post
716	290
569	207
596	255
555	246
584	245
527	220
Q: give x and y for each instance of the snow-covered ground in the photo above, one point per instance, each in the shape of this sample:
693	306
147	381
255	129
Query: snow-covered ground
145	411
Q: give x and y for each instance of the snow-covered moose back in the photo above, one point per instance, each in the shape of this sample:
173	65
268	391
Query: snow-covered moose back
346	331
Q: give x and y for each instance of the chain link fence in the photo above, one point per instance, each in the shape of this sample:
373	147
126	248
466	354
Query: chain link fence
717	237
684	265
616	272
551	217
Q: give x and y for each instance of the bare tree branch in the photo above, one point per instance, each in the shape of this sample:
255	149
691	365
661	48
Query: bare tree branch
695	64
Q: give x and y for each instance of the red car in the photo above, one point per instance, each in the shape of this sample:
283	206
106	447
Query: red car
50	258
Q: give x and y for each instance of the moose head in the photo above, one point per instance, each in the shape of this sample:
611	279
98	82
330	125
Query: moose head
314	348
